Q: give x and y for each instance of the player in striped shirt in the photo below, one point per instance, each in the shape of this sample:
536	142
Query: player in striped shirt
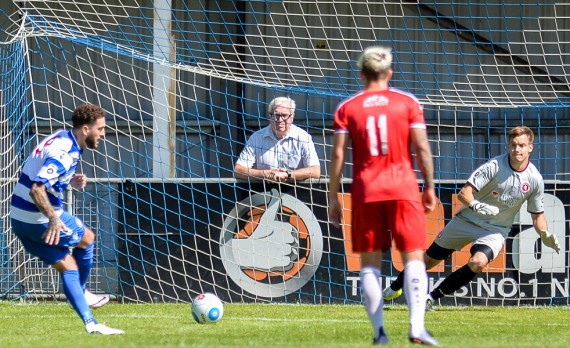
38	219
382	123
492	197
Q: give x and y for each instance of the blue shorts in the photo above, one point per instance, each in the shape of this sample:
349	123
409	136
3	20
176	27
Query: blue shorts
31	237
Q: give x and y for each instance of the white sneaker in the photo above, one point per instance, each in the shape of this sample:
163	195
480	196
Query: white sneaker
95	301
96	328
424	338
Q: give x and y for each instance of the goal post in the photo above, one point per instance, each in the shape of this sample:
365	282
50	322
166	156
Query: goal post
185	84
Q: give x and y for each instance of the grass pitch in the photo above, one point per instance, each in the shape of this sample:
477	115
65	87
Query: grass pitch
269	325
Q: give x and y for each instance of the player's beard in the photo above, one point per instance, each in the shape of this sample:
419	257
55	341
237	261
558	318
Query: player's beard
91	142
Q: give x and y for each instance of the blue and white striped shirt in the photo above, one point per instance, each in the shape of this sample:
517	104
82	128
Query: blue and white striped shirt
53	162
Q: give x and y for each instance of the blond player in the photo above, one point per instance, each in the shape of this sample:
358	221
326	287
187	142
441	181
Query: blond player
381	123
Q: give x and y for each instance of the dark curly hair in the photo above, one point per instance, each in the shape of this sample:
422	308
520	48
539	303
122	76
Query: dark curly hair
86	114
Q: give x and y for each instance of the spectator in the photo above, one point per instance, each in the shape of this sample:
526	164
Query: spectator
281	151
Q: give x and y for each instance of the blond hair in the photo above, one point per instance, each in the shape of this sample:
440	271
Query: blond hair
375	61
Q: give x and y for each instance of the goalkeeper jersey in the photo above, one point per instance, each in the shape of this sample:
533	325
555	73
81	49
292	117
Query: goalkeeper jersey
53	162
498	184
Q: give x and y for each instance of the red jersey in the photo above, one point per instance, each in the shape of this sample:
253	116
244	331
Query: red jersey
379	126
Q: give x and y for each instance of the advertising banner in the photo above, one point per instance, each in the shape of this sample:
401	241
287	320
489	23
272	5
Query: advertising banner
260	242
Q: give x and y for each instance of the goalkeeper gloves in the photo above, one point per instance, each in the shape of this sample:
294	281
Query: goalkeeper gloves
483	208
550	240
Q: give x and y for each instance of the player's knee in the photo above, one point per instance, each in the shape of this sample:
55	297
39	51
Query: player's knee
371	259
481	255
65	264
477	265
431	262
88	238
416	255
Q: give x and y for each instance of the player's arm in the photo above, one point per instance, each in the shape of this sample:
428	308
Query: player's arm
466	197
340	144
39	195
539	222
536	204
425	164
541	227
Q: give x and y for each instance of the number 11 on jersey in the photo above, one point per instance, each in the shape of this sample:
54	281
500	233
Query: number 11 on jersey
377	128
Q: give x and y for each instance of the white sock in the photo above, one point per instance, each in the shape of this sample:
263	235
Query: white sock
415	287
372	293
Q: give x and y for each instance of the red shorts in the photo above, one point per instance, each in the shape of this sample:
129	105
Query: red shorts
375	224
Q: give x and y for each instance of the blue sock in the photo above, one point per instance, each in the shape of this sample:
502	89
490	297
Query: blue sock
84	259
74	293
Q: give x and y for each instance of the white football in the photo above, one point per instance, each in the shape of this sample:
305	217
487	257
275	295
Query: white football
207	308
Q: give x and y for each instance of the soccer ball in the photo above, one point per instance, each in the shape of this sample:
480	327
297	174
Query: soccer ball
207	308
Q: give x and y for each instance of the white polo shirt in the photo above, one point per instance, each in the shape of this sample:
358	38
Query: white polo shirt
264	151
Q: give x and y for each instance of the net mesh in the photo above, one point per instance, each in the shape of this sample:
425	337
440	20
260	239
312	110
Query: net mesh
185	83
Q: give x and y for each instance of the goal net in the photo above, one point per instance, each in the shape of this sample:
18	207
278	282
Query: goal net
185	83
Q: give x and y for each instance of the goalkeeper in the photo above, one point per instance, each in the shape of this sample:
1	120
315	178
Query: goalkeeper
492	197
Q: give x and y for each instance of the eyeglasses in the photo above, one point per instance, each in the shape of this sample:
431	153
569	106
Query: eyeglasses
280	117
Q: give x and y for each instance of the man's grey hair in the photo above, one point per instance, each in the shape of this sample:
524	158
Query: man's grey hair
376	59
285	102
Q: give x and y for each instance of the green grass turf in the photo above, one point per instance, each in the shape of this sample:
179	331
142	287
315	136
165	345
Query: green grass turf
270	325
